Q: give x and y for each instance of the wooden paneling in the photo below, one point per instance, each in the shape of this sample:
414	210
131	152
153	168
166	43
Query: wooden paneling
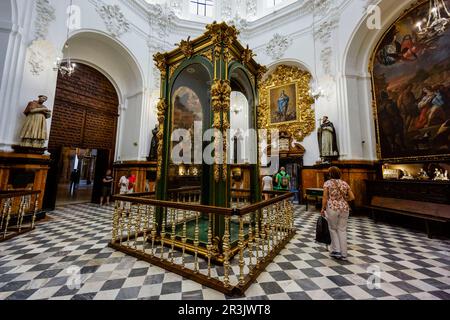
14	164
145	172
354	173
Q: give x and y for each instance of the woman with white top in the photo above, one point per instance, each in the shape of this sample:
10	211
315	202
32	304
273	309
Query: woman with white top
124	183
267	184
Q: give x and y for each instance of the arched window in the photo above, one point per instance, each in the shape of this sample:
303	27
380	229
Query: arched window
203	8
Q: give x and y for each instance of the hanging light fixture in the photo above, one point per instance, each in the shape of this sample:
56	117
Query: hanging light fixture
316	90
437	21
66	67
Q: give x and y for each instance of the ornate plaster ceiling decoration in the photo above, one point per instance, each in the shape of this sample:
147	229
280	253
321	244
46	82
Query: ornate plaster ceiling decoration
41	54
322	7
45	14
162	17
277	46
114	19
325	29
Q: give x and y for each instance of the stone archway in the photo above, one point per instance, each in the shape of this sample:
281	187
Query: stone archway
108	61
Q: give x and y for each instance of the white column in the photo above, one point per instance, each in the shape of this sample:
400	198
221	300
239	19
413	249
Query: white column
13	38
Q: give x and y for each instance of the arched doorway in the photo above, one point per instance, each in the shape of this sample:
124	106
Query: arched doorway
82	136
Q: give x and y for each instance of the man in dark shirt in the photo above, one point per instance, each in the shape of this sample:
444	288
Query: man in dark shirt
107	187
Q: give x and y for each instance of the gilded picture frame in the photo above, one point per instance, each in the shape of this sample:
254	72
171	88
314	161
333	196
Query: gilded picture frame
294	115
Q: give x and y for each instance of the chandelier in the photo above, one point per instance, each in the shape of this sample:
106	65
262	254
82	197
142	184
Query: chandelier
316	90
437	21
66	67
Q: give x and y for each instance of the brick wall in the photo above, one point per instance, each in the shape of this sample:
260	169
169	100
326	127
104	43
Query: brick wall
85	111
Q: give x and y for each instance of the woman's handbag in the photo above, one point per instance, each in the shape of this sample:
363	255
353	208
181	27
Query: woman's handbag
322	231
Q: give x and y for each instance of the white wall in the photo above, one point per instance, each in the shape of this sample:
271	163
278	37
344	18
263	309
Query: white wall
343	42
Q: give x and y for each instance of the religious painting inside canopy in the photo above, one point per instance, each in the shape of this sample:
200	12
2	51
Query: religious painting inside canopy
411	86
190	108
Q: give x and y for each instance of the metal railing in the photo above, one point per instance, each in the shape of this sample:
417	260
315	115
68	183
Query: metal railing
184	238
18	212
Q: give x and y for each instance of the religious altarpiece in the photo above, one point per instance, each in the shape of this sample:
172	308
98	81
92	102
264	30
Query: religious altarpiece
286	106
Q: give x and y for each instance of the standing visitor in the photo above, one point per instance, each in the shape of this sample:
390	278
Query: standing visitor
73	181
131	183
267	186
282	180
107	183
335	208
124	183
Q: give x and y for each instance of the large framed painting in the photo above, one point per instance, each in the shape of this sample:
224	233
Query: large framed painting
411	85
285	102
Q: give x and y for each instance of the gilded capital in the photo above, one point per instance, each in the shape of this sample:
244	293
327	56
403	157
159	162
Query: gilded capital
221	95
161	63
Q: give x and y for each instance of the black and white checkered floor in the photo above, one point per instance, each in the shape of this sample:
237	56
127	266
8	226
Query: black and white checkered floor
44	264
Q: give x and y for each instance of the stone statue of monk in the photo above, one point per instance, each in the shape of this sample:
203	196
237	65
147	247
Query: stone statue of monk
327	140
34	131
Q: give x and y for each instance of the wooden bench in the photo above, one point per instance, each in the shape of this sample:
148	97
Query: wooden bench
313	194
427	211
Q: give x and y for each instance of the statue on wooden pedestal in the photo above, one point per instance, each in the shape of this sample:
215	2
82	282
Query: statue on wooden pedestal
327	141
34	131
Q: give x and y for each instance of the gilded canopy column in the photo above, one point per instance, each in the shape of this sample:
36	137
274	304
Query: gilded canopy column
161	63
220	99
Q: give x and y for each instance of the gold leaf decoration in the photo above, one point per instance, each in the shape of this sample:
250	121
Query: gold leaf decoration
247	55
283	76
220	100
161	63
186	47
162	107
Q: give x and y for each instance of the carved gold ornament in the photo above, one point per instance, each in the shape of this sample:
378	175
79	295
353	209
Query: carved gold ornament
262	70
285	76
247	55
220	95
173	68
162	107
186	47
161	63
208	54
220	100
222	34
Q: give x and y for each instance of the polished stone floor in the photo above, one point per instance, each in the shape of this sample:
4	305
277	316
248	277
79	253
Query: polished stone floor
72	245
66	196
